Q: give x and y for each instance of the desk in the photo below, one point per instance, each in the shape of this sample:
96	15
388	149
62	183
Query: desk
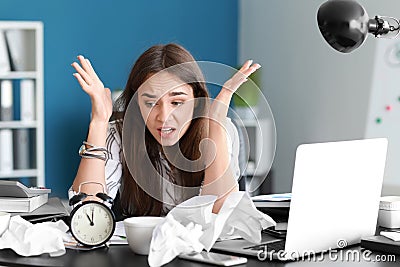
121	256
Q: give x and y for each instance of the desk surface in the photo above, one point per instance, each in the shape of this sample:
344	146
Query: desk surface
122	256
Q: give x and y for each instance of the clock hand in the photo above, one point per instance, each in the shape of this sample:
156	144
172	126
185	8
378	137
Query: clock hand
91	222
92	214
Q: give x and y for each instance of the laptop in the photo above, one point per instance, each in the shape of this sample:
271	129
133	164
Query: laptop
335	200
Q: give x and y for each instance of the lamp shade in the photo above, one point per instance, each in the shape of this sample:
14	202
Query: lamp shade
343	24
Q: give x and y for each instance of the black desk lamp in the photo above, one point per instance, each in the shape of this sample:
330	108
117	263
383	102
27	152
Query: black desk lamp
345	24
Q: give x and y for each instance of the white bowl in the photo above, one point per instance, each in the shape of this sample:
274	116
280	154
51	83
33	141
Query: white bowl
4	221
139	231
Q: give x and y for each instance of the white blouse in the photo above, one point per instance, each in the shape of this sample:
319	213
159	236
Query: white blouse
113	165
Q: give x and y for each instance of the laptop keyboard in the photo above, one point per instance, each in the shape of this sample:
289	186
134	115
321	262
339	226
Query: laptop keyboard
272	246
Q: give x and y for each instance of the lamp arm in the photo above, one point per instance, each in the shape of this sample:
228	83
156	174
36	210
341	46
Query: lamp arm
379	26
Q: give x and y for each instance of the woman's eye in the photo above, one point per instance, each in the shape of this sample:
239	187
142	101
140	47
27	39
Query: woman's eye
150	104
177	103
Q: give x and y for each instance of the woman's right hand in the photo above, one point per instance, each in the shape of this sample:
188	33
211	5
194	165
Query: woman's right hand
93	86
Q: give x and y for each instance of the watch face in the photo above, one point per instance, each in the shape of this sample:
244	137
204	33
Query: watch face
92	223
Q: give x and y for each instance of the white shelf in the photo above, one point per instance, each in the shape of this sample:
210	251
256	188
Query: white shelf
19	173
18	75
33	42
17	124
20	25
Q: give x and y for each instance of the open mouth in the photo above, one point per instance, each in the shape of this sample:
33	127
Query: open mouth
166	132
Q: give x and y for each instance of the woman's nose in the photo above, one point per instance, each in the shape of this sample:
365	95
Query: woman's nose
164	112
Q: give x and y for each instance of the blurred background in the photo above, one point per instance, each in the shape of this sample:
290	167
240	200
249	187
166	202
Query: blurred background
316	94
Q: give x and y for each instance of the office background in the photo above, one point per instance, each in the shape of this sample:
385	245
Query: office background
315	93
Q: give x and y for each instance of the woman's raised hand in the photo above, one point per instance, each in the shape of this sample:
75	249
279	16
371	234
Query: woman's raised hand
240	77
219	108
93	86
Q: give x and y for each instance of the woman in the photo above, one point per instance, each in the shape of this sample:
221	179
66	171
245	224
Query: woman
177	146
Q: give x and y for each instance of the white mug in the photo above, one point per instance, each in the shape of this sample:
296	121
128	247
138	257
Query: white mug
139	232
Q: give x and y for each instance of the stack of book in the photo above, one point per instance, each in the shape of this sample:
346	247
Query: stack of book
16	197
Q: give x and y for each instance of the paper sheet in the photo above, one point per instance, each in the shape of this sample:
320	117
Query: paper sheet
28	239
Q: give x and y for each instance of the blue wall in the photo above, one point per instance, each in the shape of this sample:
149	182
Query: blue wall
112	34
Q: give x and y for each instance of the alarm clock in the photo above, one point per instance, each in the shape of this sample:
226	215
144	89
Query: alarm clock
92	223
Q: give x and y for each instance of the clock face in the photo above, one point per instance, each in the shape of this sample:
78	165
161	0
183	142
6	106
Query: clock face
92	223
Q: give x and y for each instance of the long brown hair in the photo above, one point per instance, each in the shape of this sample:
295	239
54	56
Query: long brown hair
134	200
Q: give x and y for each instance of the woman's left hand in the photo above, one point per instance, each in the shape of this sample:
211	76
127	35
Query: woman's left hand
231	85
219	108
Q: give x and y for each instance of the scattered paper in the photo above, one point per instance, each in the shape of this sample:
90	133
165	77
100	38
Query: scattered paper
170	238
192	227
119	236
119	229
28	239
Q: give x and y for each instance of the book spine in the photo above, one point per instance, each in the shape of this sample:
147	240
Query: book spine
27	98
28	204
4	57
6	151
19	50
21	137
14	44
6	100
6	138
21	151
